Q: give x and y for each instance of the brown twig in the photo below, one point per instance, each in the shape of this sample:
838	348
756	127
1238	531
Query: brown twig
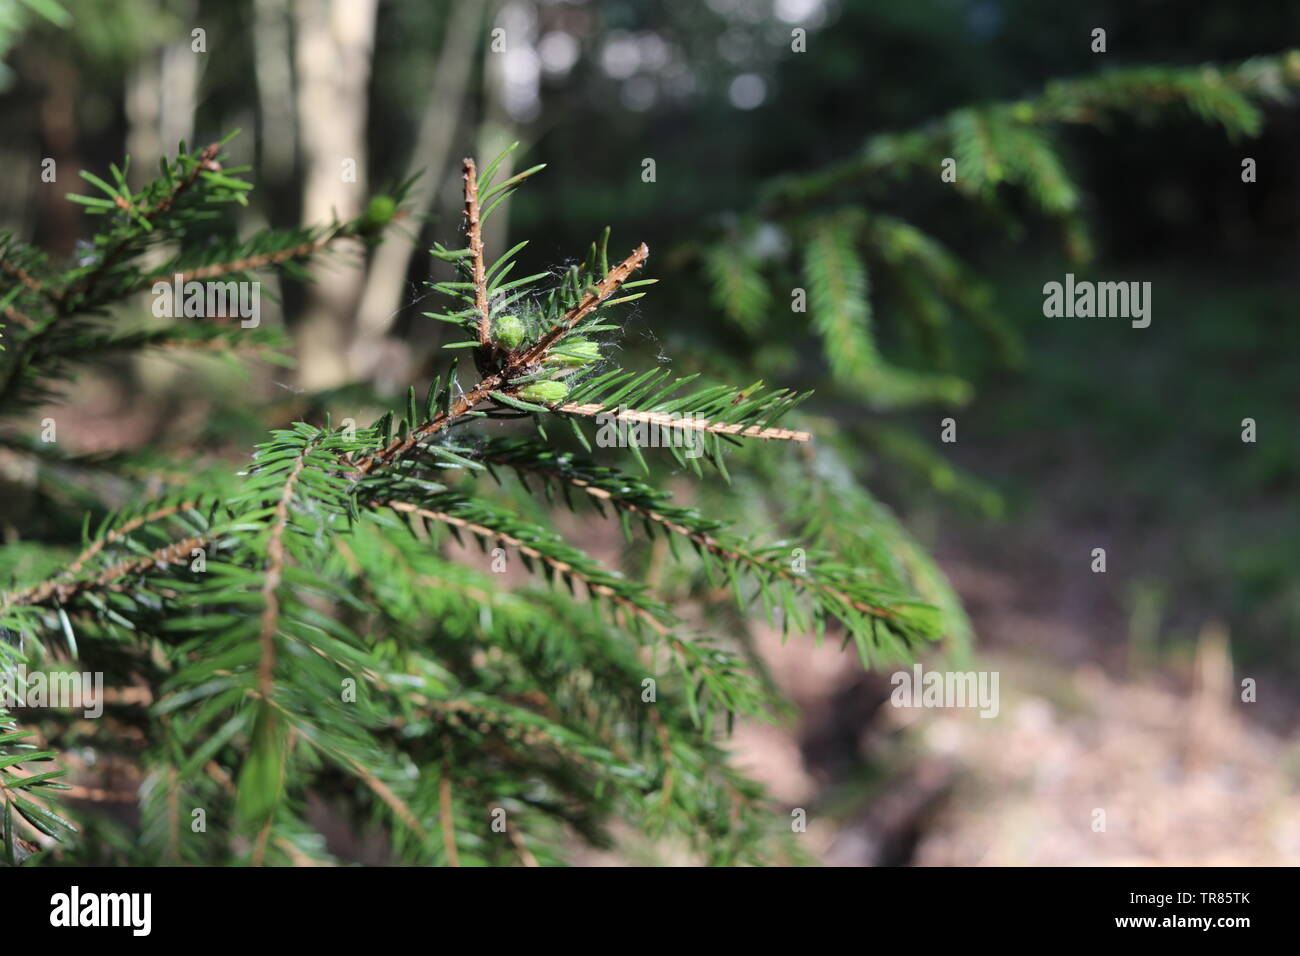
607	287
516	838
445	817
474	229
29	280
275	558
386	794
666	749
18	318
173	815
126	529
259	849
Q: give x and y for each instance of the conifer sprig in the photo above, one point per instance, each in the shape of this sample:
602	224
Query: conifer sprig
246	605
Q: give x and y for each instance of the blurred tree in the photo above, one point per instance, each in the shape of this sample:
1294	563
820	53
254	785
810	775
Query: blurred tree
334	40
381	299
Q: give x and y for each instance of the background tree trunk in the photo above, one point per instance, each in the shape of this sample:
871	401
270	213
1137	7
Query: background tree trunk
334	44
382	297
272	53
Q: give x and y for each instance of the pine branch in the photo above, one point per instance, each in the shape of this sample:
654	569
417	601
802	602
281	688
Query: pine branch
18	787
58	315
1222	95
840	304
738	286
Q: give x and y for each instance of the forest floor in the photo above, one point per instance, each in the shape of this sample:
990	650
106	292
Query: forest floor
1083	765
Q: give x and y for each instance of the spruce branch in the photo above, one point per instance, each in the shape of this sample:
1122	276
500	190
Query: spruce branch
205	162
534	543
324	559
627	493
252	263
1222	95
517	364
121	531
26	278
58	316
61	591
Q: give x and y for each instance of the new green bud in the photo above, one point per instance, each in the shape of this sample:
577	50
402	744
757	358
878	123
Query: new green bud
576	352
508	331
379	213
546	392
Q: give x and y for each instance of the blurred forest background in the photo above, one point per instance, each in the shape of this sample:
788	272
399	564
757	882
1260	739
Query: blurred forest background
1119	690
